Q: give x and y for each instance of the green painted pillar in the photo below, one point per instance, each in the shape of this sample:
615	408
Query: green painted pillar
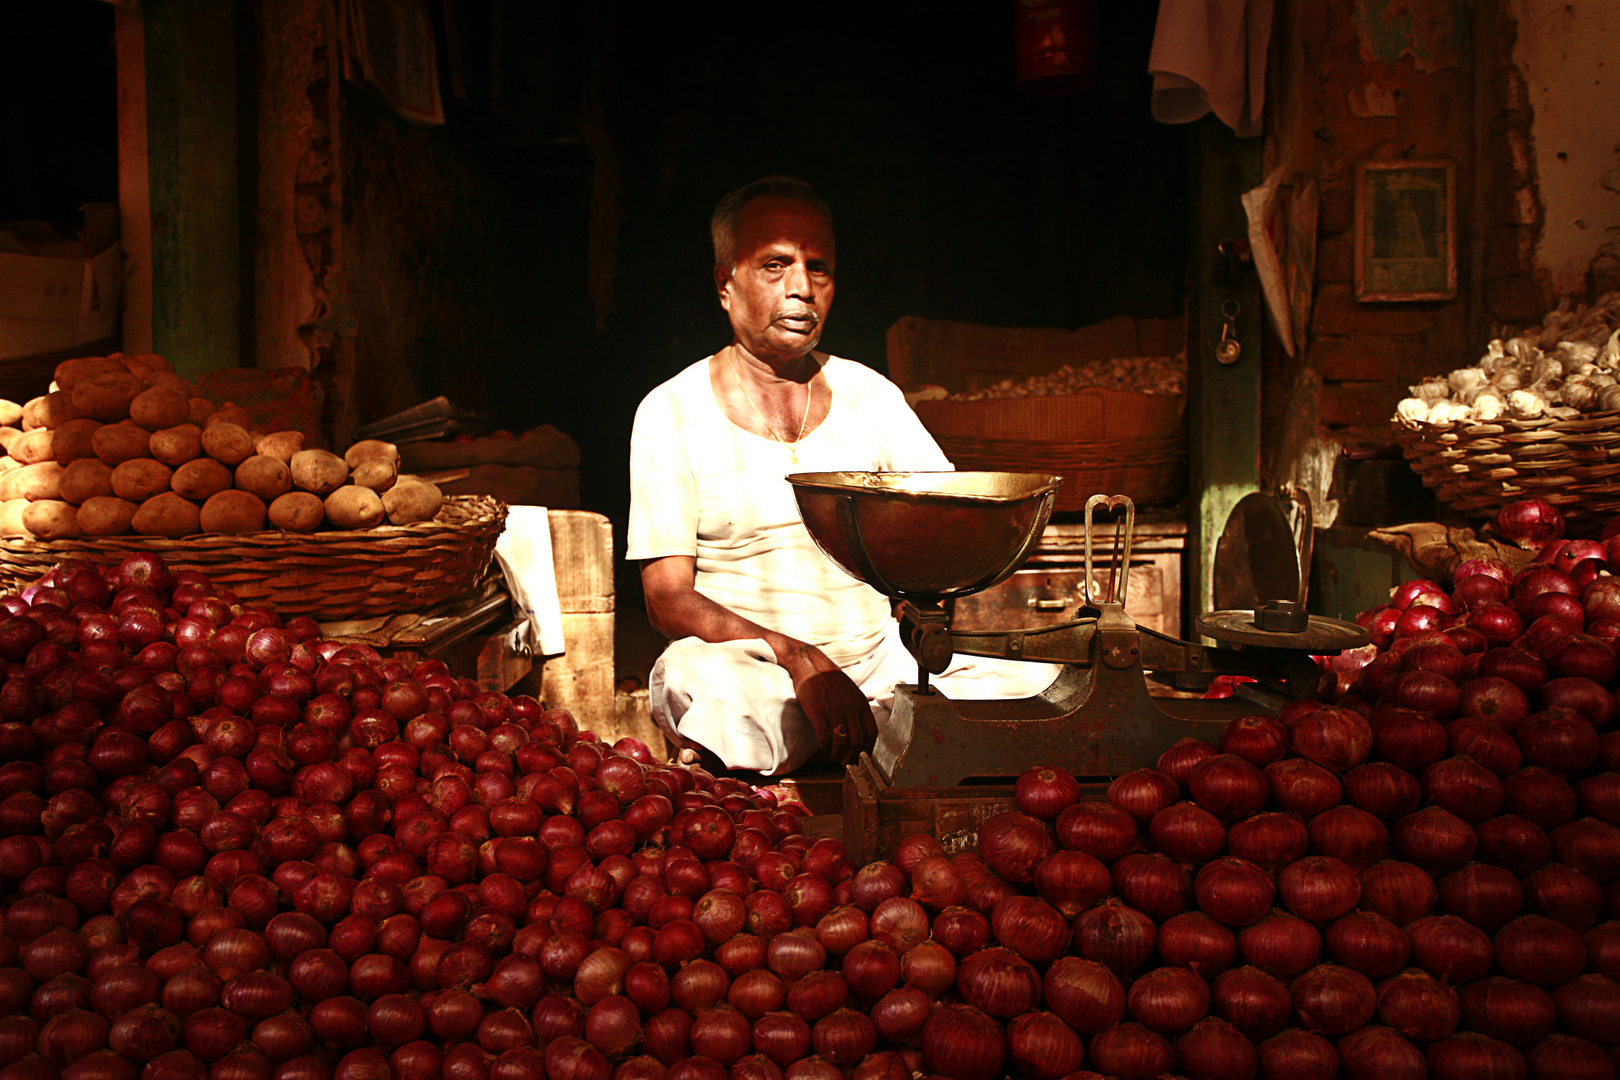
1224	404
194	168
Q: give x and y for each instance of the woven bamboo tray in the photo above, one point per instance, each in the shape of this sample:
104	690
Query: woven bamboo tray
1480	468
326	575
1153	472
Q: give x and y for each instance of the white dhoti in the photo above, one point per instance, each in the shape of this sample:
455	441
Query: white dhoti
732	698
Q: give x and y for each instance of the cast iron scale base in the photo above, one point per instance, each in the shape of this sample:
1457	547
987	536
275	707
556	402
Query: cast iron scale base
921	538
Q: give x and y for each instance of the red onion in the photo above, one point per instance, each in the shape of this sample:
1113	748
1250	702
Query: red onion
1518	1013
1449	948
1168	999
961	1042
899	923
1014	844
843	1037
1153	884
1469	1055
898	1015
1042	1047
1301	787
782	1037
1214	1049
1565	1057
1130	1051
1230	787
1419	1006
1270	841
999	982
1589	1007
1538	950
1296	1054
1233	890
1380	1053
1187	833
1194	940
1281	944
1256	1004
1084	994
1045	791
1099	829
1143	793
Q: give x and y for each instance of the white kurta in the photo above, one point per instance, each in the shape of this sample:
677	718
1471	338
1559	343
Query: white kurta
702	486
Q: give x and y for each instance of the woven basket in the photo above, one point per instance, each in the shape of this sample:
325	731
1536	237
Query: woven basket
326	575
1480	468
1153	472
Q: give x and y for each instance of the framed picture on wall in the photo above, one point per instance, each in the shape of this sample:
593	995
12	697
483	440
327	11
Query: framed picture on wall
1406	230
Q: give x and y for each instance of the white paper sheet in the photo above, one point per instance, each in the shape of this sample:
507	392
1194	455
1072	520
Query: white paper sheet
524	553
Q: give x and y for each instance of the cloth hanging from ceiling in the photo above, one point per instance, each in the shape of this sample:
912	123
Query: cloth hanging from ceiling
1210	55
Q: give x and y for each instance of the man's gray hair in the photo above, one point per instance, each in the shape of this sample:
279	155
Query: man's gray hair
723	226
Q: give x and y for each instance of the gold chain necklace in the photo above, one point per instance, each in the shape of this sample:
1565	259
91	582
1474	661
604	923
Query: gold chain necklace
809	394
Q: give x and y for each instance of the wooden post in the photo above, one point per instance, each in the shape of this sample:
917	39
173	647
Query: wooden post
1224	416
194	182
134	194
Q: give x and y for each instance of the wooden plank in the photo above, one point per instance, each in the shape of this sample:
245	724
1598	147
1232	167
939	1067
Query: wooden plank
1224	416
582	555
582	679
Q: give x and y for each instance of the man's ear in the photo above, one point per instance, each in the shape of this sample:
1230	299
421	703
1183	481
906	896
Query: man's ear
722	285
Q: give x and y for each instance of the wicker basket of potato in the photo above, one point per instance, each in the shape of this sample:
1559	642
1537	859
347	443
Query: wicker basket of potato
122	456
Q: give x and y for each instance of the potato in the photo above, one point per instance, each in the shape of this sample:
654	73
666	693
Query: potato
8	435
107	516
296	511
41	481
318	471
51	519
10	413
86	479
267	477
168	515
177	445
354	507
378	474
70	373
7	463
118	443
412	500
56	409
227	443
155	361
11	517
138	479
200	479
232	512
30	415
34	446
201	410
367	449
230	413
281	445
107	397
159	407
74	440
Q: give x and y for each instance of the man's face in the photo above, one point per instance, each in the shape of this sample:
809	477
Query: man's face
780	291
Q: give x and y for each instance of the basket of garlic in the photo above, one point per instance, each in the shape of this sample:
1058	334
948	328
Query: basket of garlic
1537	417
1116	426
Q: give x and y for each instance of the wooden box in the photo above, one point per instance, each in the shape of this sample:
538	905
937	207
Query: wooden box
582	679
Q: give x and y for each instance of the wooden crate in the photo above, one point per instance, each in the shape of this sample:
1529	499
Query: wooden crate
582	679
877	816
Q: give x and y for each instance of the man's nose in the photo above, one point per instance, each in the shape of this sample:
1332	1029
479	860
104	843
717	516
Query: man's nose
798	282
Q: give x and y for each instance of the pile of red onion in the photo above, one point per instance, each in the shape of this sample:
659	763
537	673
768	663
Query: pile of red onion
230	850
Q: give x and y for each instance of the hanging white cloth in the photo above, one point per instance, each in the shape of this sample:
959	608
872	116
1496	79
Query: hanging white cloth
1211	55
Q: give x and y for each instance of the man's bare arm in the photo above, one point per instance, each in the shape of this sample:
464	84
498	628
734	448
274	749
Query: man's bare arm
835	706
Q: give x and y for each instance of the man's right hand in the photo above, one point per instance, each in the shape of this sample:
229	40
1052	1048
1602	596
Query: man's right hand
835	706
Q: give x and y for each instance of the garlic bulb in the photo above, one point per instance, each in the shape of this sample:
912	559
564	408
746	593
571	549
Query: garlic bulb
1579	392
1465	379
1526	404
1432	390
1508	381
1413	410
1488	407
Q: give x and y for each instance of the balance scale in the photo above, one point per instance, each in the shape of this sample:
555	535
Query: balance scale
923	538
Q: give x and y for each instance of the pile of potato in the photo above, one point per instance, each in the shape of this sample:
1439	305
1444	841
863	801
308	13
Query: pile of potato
121	444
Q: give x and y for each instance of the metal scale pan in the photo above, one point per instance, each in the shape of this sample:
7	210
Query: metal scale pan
922	537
